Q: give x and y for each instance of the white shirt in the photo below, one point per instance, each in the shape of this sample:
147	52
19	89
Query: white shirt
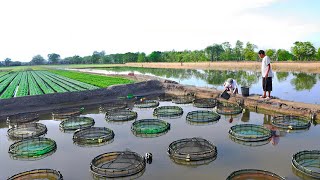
264	67
233	86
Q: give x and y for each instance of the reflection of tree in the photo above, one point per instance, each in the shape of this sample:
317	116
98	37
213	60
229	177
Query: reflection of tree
282	76
303	81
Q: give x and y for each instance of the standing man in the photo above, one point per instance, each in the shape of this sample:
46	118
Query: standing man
266	75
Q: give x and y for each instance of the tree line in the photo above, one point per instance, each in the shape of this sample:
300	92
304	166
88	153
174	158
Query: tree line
300	51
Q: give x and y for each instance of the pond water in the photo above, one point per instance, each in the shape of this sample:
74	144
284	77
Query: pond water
293	86
73	161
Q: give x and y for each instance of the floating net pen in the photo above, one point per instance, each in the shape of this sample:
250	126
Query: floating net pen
93	136
29	130
117	164
23	118
121	115
113	106
65	113
183	100
168	111
146	104
307	163
228	108
246	174
202	117
291	122
250	132
150	127
75	123
205	103
38	174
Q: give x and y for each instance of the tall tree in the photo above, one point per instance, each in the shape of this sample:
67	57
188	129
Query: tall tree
303	50
271	53
96	57
53	58
7	62
227	54
238	50
318	54
37	60
249	53
155	56
141	57
283	55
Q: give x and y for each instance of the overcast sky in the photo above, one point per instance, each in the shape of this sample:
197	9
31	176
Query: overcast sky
79	27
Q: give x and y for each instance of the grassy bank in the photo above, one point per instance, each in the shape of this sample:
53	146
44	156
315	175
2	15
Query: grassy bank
96	80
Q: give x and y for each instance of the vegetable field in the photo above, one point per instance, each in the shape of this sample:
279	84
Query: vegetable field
24	83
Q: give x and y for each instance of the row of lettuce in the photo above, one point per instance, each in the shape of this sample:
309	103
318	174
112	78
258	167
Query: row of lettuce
24	83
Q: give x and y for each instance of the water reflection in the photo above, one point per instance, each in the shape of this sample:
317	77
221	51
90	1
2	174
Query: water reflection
303	81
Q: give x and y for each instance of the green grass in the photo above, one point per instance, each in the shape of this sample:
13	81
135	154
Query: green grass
96	80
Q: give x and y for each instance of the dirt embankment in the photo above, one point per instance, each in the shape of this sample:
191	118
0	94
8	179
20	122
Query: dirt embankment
307	67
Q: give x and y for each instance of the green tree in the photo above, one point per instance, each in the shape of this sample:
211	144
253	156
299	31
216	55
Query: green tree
141	57
318	54
96	57
53	58
283	55
37	60
238	50
155	56
7	62
271	53
249	53
227	54
303	50
214	51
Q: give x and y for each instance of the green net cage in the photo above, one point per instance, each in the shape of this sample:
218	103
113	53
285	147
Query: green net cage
75	123
121	115
94	136
291	122
202	117
32	149
226	108
250	132
246	174
150	127
29	130
205	103
307	163
183	100
168	111
185	151
113	106
117	164
61	114
22	118
38	174
250	143
146	104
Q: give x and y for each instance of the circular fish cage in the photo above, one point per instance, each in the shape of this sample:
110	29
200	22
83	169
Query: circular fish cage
192	150
246	174
225	108
202	117
75	123
168	111
307	163
183	100
24	131
251	143
291	122
23	118
205	103
38	174
117	164
250	133
65	113
146	104
121	115
150	127
93	136
34	148
113	106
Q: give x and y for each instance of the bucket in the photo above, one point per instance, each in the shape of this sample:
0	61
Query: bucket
225	95
245	91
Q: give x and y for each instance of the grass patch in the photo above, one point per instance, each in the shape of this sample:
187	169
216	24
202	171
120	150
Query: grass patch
96	80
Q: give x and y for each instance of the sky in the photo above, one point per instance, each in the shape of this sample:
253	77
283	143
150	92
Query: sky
79	27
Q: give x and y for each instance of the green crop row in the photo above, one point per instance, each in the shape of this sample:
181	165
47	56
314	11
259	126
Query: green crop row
53	85
34	89
23	89
64	86
7	81
11	89
66	83
44	86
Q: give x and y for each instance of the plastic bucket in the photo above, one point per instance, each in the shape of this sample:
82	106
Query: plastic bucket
245	91
225	95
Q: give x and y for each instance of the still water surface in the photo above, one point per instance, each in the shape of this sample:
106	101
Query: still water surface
73	161
299	87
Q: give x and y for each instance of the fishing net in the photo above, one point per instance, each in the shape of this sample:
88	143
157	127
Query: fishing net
192	149
34	148
121	115
75	123
205	103
226	108
150	127
146	104
65	113
291	122
307	163
22	118
250	143
93	136
202	117
113	106
38	174
256	174
183	100
250	132
168	111
27	131
117	164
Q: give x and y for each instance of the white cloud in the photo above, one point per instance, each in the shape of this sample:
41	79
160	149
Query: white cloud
81	27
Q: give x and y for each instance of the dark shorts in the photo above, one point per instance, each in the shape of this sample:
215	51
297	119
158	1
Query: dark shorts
267	84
